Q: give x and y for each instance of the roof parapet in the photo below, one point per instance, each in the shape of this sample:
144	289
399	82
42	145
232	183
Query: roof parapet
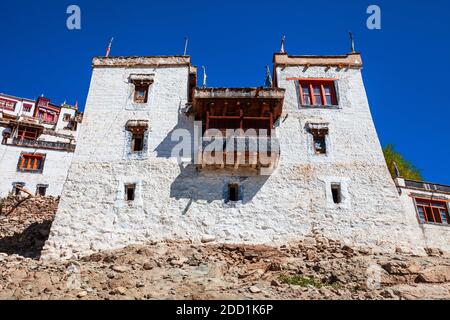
351	60
141	61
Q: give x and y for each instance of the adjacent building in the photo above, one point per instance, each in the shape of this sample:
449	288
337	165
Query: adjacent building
38	141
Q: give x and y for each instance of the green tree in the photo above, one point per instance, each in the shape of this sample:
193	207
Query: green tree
406	169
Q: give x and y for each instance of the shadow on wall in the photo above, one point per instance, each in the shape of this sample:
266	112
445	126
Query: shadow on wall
212	184
184	124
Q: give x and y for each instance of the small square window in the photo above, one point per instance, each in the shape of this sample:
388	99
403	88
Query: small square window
336	193
41	190
233	192
141	92
320	146
137	143
17	187
66	117
130	192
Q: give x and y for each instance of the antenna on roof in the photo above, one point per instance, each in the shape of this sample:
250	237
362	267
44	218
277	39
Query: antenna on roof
268	81
204	77
186	42
283	40
108	50
352	42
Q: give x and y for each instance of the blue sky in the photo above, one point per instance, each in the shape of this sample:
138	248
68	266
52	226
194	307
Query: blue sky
407	62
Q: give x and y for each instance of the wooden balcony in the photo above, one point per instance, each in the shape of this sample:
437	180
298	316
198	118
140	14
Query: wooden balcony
40	144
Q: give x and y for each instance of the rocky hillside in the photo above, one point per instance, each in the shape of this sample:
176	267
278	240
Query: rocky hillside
316	268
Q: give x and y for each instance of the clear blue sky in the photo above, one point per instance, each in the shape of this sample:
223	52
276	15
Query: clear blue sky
407	62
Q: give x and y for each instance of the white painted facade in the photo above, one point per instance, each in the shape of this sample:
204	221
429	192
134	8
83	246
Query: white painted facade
51	143
177	201
54	173
435	235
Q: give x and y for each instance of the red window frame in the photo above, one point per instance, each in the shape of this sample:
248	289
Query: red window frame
27	107
432	211
7	104
31	162
313	92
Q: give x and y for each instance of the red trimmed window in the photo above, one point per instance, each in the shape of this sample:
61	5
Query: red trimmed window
31	162
7	104
432	211
27	107
314	92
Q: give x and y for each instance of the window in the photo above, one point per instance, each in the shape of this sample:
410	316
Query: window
336	193
47	117
141	89
41	190
317	92
17	187
28	133
130	192
137	142
7	104
27	107
66	117
432	211
31	163
320	146
233	192
138	132
319	141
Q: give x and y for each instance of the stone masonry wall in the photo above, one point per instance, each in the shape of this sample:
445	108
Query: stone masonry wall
177	201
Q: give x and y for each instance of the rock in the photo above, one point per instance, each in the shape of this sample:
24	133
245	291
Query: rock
82	294
149	265
120	269
178	262
208	238
275	266
436	274
140	284
310	255
275	283
120	290
254	289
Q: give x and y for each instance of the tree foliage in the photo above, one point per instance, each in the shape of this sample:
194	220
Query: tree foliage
406	169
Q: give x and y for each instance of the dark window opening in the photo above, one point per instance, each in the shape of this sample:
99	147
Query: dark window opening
141	92
137	143
41	190
320	145
130	192
336	192
17	187
66	117
233	192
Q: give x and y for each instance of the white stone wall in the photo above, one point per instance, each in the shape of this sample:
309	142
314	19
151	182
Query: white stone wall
54	174
176	201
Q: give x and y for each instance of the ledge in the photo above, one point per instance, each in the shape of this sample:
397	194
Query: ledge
141	61
351	60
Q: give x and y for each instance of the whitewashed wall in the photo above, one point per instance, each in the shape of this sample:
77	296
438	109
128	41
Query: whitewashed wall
54	174
178	202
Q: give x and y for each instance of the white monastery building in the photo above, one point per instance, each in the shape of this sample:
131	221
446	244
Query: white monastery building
159	158
38	141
